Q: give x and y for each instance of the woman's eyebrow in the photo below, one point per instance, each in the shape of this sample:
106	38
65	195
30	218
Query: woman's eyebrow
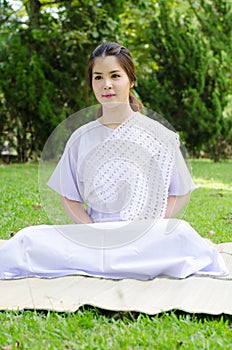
113	71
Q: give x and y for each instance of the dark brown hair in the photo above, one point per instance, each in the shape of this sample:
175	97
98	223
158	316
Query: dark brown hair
125	60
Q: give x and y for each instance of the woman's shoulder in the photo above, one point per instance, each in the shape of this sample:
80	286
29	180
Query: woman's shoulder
85	127
83	131
158	126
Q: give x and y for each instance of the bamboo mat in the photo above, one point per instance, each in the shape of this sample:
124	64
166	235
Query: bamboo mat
195	294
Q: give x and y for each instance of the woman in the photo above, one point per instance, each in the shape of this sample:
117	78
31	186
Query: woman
111	74
122	177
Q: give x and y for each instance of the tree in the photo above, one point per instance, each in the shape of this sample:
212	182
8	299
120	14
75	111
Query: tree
182	51
43	65
215	18
191	82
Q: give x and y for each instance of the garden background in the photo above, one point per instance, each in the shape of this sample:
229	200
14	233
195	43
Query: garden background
182	50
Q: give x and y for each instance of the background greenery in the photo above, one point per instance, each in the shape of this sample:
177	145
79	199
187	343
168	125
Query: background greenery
210	209
182	50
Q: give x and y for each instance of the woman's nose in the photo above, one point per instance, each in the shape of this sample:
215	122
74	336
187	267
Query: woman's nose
107	84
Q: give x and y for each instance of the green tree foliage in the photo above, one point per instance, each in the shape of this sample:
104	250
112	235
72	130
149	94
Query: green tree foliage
215	22
191	80
182	51
43	66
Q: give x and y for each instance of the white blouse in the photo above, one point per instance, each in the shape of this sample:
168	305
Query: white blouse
67	178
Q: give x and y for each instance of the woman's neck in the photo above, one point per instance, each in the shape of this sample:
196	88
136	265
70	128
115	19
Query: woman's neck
114	115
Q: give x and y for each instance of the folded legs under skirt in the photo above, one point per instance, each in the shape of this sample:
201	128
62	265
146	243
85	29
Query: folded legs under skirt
164	247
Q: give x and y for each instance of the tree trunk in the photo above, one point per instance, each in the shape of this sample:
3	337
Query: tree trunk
33	9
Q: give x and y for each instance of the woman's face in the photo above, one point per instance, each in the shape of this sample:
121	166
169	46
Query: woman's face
110	82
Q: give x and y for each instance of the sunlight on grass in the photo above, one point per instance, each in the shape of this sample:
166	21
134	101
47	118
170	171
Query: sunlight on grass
212	184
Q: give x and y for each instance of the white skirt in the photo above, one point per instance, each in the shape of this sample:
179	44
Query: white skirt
117	250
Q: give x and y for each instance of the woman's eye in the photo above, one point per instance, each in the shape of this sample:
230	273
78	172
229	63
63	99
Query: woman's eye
114	76
97	77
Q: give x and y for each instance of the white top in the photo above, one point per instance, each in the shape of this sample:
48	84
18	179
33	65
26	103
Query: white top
84	151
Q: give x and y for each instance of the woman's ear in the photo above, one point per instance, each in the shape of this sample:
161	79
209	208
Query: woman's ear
132	84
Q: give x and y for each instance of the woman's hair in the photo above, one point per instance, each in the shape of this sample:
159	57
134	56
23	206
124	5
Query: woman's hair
125	60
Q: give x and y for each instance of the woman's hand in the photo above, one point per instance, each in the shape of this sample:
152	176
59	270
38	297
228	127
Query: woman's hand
75	211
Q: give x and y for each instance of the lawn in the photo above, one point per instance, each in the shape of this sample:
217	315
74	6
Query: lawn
209	212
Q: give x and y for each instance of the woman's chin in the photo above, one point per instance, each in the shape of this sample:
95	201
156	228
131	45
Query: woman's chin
113	104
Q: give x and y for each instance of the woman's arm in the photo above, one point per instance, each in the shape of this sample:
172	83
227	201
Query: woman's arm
175	204
75	211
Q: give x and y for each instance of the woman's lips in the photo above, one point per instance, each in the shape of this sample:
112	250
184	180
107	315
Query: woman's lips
108	95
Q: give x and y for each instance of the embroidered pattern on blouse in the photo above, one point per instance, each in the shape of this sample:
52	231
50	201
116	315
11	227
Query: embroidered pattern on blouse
130	171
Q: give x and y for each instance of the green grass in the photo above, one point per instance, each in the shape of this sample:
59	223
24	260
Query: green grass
93	329
210	208
20	198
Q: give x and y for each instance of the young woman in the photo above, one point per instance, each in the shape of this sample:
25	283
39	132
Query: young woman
122	177
111	73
